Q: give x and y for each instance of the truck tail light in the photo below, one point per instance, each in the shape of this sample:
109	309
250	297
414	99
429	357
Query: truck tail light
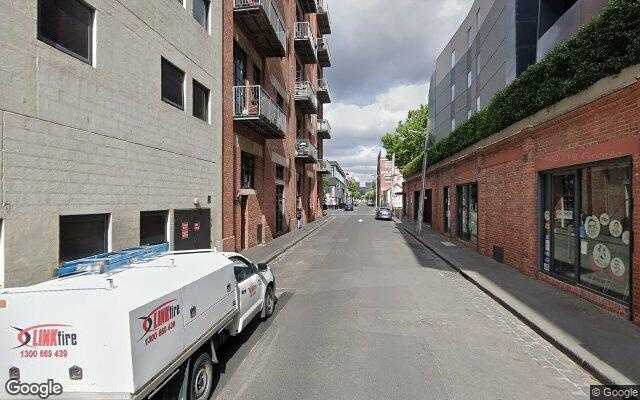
14	374
75	373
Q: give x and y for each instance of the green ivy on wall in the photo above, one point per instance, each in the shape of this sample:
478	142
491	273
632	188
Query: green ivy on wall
605	46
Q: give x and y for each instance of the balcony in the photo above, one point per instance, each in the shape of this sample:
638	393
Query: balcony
324	57
322	16
309	6
263	23
324	129
305	43
306	99
323	167
324	94
306	151
255	109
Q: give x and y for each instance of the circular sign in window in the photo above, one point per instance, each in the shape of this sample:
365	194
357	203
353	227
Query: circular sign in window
592	226
604	219
625	237
615	228
601	255
617	267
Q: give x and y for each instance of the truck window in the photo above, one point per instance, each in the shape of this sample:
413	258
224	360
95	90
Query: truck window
242	269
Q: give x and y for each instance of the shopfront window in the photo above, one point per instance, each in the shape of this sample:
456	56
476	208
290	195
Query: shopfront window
587	227
468	212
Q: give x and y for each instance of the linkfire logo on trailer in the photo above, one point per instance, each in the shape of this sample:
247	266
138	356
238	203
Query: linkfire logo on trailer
47	335
159	317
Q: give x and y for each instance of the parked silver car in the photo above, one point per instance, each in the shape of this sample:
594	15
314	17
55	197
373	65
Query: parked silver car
384	213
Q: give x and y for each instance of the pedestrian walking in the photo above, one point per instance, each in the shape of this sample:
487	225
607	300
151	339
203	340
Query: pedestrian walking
299	218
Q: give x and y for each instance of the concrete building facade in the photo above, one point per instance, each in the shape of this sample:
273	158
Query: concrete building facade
497	41
274	95
111	129
336	192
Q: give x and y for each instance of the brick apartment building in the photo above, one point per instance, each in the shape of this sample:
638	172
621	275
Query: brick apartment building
552	195
389	183
111	129
274	52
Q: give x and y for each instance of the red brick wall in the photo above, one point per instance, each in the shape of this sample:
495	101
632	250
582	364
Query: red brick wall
261	206
507	175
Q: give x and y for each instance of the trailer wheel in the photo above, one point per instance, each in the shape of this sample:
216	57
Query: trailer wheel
269	302
201	378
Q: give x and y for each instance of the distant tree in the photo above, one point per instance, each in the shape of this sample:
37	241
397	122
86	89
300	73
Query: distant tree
354	191
370	195
403	141
325	184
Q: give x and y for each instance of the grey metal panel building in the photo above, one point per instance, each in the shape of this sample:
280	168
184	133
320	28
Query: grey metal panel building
496	42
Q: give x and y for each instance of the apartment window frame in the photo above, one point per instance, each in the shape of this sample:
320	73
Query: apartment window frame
453	92
164	98
164	214
247	170
469	79
207	14
55	44
453	58
207	100
469	37
100	248
453	124
478	104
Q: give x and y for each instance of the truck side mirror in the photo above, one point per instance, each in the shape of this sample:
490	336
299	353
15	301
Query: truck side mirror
263	267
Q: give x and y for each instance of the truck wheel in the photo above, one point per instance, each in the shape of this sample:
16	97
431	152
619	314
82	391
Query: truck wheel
201	378
269	302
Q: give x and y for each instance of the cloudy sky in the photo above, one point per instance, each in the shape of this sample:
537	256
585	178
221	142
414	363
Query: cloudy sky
382	53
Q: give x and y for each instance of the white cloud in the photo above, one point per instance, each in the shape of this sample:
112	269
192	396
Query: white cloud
451	8
356	130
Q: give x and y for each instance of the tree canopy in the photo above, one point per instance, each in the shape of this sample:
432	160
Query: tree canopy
407	140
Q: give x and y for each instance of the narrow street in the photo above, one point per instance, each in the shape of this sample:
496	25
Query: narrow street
366	312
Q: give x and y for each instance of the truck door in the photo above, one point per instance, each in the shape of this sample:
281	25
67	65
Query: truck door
250	290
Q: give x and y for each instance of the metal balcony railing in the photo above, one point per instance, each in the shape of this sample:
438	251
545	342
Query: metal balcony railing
262	20
253	103
324	93
305	43
324	56
323	18
323	167
305	149
306	97
324	129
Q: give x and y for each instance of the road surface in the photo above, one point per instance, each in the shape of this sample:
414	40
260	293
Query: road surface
366	312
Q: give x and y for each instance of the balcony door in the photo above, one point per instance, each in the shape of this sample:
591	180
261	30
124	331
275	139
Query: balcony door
239	79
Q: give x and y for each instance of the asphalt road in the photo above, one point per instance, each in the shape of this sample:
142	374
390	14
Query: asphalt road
366	312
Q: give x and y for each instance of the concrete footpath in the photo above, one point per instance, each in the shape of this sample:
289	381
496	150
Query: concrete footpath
606	345
266	253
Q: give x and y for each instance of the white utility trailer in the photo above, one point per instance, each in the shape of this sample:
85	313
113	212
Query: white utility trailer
125	333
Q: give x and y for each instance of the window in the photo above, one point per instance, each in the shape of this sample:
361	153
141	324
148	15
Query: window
172	85
280	101
469	37
593	201
239	66
453	92
453	58
453	124
478	67
468	212
469	113
83	236
257	75
447	209
247	170
242	269
201	12
478	20
153	227
200	102
469	79
478	103
280	172
68	26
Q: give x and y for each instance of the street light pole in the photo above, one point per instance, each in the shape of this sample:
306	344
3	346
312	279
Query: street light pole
424	180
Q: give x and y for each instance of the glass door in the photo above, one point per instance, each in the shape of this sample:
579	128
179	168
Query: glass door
563	186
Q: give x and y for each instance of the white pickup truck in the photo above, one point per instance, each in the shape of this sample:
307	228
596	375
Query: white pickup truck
126	333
